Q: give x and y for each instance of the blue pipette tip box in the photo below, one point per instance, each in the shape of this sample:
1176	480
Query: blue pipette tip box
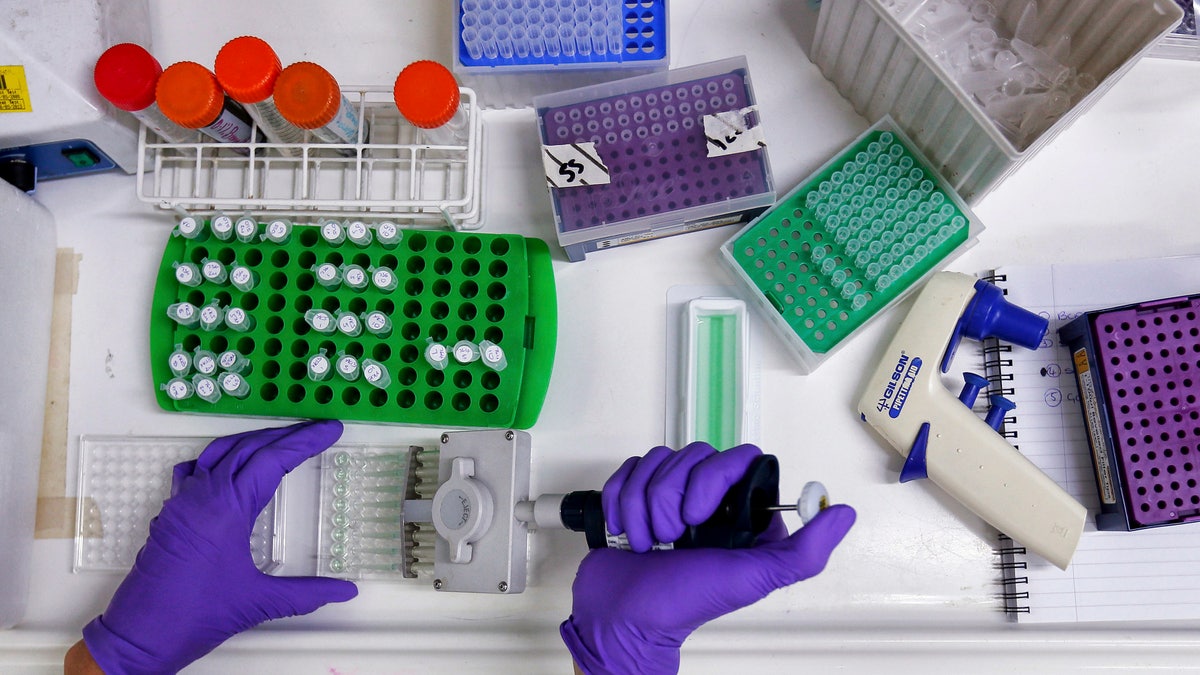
538	35
662	175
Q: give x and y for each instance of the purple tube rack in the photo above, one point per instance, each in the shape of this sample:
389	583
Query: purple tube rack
1150	363
652	142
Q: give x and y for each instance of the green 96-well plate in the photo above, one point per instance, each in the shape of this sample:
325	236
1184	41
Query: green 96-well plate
451	286
850	239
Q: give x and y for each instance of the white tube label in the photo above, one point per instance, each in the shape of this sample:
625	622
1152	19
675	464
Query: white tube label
733	132
229	128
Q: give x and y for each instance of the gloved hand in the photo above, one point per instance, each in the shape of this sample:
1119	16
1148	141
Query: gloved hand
633	610
194	583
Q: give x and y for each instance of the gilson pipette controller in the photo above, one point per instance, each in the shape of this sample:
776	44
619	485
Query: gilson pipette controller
943	440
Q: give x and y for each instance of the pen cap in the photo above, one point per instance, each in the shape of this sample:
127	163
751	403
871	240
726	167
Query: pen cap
307	95
426	94
126	75
990	315
189	95
246	68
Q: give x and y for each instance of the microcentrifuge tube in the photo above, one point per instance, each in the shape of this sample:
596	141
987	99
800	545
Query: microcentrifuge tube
347	367
211	316
383	278
204	361
187	273
320	320
376	374
319	368
206	388
237	319
355	277
190	228
246	230
234	385
234	361
348	324
242	277
278	231
328	275
179	389
492	355
184	313
387	234
465	351
437	355
222	227
213	271
377	323
333	233
358	233
180	362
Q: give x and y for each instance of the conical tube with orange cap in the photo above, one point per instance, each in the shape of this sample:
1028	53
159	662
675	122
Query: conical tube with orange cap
309	97
188	94
427	96
126	75
247	69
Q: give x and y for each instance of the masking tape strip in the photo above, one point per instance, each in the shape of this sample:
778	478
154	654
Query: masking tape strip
56	511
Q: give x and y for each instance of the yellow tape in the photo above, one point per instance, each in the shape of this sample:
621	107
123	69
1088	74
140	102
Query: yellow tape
14	92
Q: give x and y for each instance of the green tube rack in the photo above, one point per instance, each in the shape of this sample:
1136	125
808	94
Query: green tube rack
451	286
849	241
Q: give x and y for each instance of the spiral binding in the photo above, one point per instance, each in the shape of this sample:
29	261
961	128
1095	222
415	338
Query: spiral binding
1013	592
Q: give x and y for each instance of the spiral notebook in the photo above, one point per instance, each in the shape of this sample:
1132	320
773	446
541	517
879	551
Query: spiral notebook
1151	574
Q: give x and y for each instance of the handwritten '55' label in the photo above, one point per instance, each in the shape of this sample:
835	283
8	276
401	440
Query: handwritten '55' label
574	165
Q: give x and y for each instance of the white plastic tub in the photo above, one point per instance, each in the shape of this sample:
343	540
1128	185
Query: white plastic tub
873	52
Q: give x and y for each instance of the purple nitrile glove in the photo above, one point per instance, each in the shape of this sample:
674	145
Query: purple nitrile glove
194	583
632	611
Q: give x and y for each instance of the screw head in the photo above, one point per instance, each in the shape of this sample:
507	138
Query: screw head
445	438
509	435
437	584
502	586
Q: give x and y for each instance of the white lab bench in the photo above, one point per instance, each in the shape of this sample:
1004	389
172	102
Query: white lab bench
912	587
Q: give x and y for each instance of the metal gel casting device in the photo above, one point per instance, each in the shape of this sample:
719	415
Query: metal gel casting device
943	440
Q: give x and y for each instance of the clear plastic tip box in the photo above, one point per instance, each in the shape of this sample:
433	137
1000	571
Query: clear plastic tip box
982	85
848	242
655	155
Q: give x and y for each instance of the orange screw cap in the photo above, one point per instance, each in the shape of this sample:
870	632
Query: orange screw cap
307	95
246	68
189	95
126	75
426	94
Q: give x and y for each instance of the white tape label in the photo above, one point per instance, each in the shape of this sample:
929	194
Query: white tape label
732	132
574	165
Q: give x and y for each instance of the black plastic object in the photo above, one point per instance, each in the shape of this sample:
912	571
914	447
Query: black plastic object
737	523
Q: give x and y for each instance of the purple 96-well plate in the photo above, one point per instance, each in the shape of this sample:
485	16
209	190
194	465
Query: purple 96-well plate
1150	362
653	143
